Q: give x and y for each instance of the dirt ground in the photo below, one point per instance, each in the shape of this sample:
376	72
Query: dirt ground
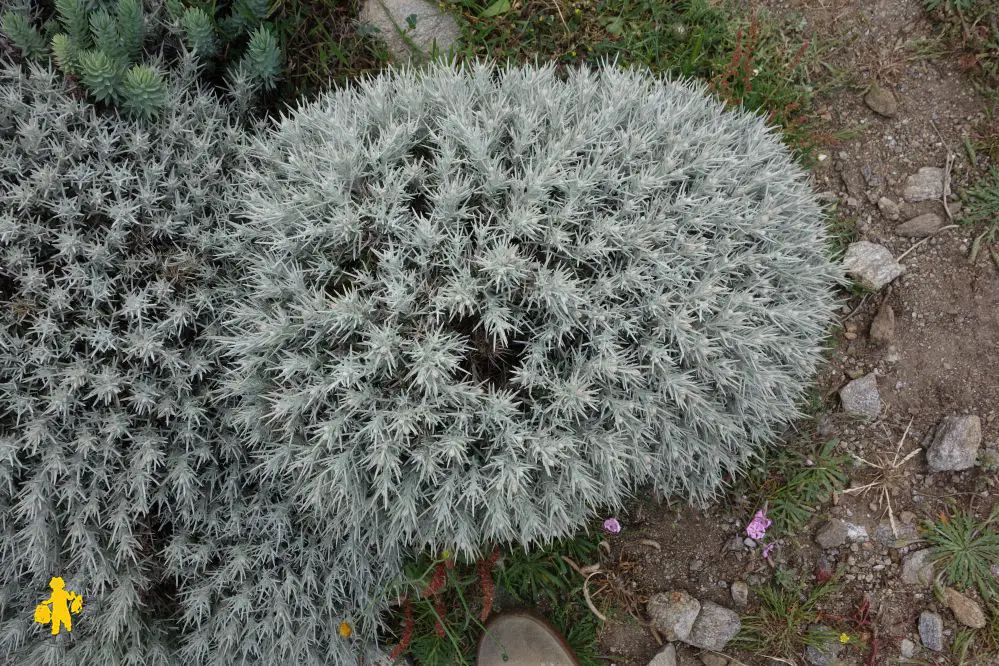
943	359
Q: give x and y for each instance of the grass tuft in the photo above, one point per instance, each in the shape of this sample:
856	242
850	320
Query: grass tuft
967	551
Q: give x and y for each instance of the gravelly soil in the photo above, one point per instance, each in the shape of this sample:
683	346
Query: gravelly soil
943	359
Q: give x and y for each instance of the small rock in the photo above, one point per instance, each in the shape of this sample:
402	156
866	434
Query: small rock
735	544
955	445
712	659
824	654
749	543
714	627
931	631
964	609
881	101
433	27
673	614
666	657
873	180
837	532
861	397
888	208
883	327
886	535
854	184
907	648
872	265
925	185
740	593
697	565
907	517
921	226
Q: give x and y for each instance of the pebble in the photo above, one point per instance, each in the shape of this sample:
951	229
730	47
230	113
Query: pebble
714	627
931	631
966	610
888	208
673	614
883	327
861	397
826	652
837	532
925	185
921	226
666	657
870	264
955	445
907	648
740	593
881	101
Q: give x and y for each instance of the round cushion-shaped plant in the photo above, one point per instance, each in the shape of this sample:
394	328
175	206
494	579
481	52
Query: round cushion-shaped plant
483	303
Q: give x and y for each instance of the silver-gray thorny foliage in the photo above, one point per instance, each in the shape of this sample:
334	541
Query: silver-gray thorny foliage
110	450
439	309
481	304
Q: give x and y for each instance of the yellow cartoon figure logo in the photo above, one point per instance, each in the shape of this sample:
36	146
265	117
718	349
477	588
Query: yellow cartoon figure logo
56	609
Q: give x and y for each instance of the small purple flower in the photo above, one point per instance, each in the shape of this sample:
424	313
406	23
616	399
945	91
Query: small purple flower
766	550
612	526
757	528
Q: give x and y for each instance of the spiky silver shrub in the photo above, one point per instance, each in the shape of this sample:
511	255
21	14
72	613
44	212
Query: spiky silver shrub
109	296
483	303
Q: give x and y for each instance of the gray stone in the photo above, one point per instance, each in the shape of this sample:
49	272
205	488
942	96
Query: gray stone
714	627
888	208
956	444
907	648
836	533
884	533
883	327
917	569
964	609
740	593
931	631
921	226
666	657
925	185
673	614
824	654
854	184
881	101
433	29
861	397
712	659
870	264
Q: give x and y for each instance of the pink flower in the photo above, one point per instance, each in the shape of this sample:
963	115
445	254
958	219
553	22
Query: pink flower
766	550
757	528
612	526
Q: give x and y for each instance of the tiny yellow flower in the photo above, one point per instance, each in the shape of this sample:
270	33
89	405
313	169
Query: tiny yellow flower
345	630
446	554
844	638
